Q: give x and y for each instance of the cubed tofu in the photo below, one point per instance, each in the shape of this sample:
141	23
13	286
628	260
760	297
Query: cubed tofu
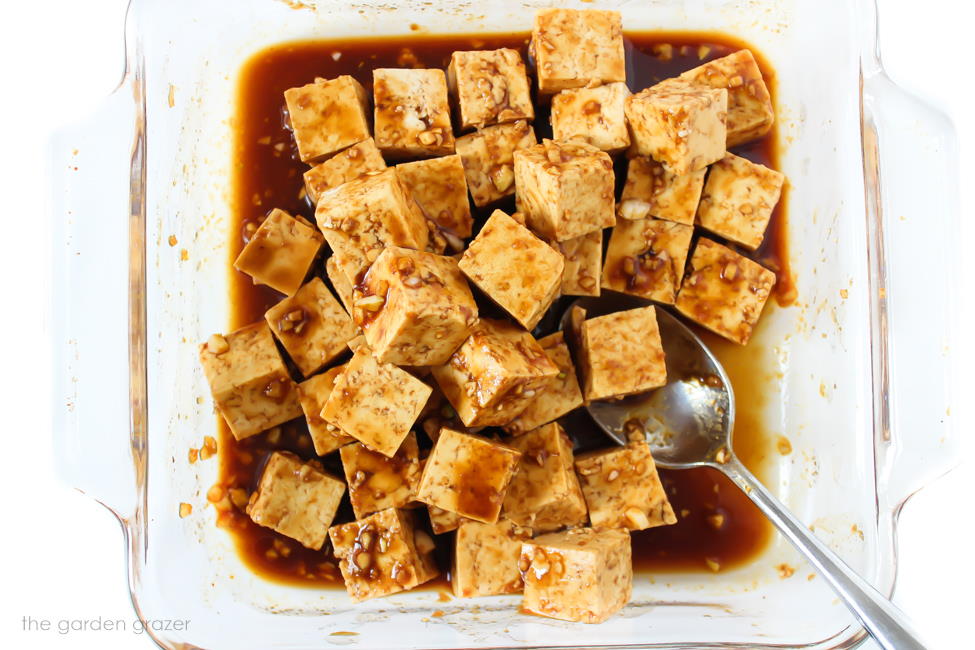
544	493
375	403
646	258
356	161
514	268
312	394
361	217
382	554
750	112
583	264
377	482
312	326
439	187
488	158
583	574
559	395
490	86
595	116
652	191
679	124
412	113
296	499
280	253
565	189
623	354
738	200
468	475
251	386
327	116
622	488
576	48
341	284
486	558
495	374
724	291
415	308
443	521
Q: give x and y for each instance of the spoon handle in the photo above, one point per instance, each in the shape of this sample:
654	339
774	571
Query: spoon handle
887	624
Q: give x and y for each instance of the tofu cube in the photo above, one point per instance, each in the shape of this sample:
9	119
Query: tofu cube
439	187
296	499
738	200
312	394
545	493
375	403
652	191
559	395
377	482
750	112
583	574
488	158
490	86
468	475
565	189
443	521
622	488
412	113
382	554
361	217
514	268
312	326
583	264
341	284
495	374
622	354
679	124
356	161
595	116
250	384
280	252
724	291
576	48
646	258
415	308
486	558
327	116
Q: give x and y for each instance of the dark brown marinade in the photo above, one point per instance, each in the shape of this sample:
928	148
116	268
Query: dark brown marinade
717	524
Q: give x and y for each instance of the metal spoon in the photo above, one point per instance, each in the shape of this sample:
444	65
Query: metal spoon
689	423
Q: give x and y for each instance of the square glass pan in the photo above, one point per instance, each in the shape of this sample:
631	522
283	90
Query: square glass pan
858	379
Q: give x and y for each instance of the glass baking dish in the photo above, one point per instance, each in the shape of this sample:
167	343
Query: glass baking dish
859	370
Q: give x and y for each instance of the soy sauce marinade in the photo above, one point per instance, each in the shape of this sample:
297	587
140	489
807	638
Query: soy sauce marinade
268	174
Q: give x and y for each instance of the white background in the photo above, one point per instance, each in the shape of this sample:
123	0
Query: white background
62	554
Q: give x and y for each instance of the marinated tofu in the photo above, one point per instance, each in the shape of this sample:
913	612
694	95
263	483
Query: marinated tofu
249	382
376	403
622	488
327	116
280	253
341	284
376	481
412	113
488	159
356	161
622	354
312	394
583	574
443	521
595	116
382	554
576	48
495	374
724	291
557	396
583	264
439	187
490	87
564	189
296	499
486	558
414	308
514	268
646	258
652	191
468	474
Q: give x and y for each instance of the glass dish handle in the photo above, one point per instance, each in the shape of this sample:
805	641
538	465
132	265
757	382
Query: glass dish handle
910	154
90	164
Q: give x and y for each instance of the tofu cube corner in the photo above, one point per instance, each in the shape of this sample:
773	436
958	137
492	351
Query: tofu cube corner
622	354
376	481
327	116
488	159
574	48
280	252
486	558
738	200
490	87
412	113
595	116
646	258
